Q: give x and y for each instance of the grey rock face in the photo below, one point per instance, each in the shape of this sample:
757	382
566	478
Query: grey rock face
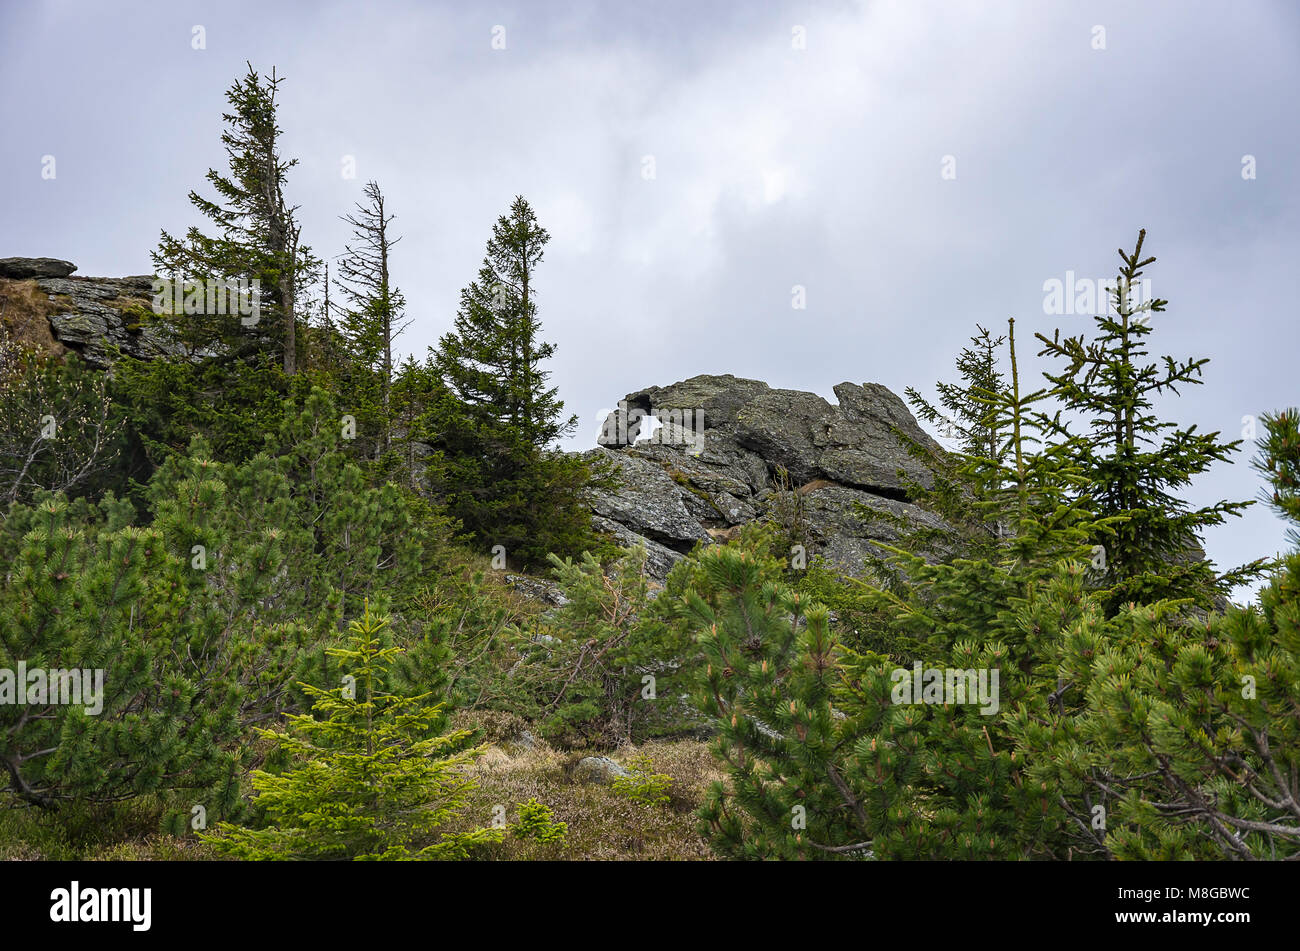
750	429
839	533
94	314
678	492
22	269
659	558
648	503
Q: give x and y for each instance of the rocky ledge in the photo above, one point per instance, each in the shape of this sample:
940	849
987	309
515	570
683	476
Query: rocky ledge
90	315
24	269
726	451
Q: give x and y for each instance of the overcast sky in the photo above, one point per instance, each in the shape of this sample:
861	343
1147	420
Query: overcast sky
915	167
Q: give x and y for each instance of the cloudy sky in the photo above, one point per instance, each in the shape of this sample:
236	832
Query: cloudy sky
916	168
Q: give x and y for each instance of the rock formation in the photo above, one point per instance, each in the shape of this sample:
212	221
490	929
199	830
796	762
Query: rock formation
22	269
91	314
717	458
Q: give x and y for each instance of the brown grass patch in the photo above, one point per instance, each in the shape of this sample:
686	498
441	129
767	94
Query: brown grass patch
25	312
814	485
603	826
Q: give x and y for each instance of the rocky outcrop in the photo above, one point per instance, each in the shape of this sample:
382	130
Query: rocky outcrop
750	429
23	269
725	451
93	315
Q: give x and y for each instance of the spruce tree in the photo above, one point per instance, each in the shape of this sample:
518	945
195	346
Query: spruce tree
963	414
492	358
258	233
503	480
1279	461
1134	460
952	787
370	774
233	358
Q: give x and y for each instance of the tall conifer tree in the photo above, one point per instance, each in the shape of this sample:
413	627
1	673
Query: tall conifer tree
1133	459
241	352
258	233
493	358
503	479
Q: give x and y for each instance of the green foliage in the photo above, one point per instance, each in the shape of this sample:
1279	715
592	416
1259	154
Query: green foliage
84	590
536	821
768	666
1134	460
462	641
304	491
856	616
200	621
1279	461
644	785
603	667
370	777
825	756
167	403
498	419
1177	740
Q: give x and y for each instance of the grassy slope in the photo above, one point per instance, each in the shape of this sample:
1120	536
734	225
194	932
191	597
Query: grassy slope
602	825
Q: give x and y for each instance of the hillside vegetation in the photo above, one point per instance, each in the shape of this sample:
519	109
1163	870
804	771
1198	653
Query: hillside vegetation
263	591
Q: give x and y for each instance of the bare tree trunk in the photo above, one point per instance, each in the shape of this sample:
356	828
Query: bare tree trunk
388	322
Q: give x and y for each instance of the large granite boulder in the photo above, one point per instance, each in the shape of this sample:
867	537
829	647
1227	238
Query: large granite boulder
728	451
750	430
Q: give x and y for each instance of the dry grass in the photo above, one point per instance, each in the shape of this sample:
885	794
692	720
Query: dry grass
814	485
24	315
602	825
